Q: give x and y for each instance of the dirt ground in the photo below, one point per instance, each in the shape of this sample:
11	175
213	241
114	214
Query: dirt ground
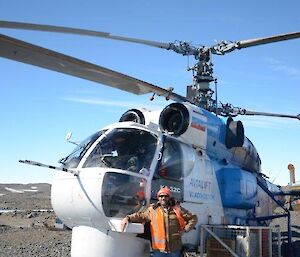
26	231
32	242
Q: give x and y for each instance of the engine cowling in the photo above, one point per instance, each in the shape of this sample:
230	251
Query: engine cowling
134	115
184	121
174	119
234	133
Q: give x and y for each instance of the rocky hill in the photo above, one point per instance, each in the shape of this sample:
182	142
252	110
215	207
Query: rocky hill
25	196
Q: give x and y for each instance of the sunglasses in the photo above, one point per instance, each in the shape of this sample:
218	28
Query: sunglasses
163	196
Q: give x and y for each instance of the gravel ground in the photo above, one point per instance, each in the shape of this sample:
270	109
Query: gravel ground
32	234
29	233
32	242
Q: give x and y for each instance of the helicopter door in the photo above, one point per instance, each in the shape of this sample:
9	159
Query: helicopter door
169	170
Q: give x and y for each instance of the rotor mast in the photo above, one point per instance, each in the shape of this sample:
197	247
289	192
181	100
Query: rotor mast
199	92
202	76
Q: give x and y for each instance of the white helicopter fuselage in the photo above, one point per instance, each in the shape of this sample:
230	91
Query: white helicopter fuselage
111	184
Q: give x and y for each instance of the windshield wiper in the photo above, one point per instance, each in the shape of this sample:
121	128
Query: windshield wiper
78	148
105	161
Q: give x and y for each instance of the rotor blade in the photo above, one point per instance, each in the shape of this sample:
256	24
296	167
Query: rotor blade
84	32
21	51
245	112
266	40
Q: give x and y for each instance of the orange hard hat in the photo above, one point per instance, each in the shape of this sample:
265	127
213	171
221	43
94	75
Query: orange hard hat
164	191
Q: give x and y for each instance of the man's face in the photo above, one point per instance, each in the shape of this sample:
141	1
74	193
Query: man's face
163	199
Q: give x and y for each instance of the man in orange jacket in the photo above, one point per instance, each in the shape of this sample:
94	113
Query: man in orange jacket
168	221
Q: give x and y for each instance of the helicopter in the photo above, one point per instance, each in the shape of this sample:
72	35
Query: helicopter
210	165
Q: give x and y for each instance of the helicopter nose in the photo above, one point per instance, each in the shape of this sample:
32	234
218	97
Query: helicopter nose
96	197
76	200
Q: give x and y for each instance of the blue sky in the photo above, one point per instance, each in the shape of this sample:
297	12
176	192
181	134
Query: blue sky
38	107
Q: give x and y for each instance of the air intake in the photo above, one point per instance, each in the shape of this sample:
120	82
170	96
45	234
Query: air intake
133	115
174	119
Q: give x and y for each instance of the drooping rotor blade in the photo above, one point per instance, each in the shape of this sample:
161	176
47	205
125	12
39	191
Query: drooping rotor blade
21	51
267	40
76	31
246	112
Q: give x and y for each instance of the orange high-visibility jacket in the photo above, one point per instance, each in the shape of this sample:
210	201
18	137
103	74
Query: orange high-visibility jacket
157	226
167	237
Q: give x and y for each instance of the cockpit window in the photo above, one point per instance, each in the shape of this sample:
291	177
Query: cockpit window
122	194
73	159
171	162
177	161
124	148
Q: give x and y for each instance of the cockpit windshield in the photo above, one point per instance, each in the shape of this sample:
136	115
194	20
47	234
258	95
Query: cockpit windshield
73	159
124	148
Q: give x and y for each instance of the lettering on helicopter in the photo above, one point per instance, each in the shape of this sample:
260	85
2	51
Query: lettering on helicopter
199	183
176	190
175	187
201	189
196	123
198	196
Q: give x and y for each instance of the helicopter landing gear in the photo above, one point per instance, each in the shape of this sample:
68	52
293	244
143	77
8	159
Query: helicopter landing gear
93	242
